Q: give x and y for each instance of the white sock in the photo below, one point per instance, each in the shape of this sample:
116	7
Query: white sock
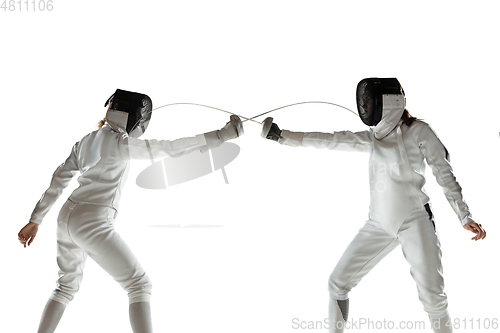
51	316
140	317
336	318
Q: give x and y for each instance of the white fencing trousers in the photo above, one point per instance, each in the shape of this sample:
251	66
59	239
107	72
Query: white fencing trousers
421	248
87	230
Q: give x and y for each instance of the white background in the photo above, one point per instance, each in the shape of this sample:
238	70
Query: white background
287	213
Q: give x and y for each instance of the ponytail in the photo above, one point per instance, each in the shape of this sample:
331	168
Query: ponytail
407	118
101	123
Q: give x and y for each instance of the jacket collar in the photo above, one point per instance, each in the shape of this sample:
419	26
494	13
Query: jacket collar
393	108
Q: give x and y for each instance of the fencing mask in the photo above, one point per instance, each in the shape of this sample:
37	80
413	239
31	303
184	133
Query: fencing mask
381	103
129	112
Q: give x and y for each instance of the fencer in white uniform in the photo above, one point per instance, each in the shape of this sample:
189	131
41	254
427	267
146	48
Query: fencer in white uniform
86	221
400	211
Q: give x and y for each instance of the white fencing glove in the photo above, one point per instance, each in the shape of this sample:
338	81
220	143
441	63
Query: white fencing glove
232	130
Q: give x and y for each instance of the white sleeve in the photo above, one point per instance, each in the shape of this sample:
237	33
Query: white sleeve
60	180
438	159
134	148
345	140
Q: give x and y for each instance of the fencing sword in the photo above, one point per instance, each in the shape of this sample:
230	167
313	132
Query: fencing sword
282	107
253	118
207	106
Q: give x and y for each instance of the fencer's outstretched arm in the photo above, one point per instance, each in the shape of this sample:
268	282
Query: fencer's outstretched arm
345	140
60	180
138	149
438	159
134	148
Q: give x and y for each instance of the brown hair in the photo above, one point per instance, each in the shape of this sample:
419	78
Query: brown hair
101	123
407	118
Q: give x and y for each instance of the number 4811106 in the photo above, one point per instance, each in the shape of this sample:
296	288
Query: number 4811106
27	5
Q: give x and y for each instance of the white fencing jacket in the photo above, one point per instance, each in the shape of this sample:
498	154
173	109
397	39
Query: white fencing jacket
102	158
396	168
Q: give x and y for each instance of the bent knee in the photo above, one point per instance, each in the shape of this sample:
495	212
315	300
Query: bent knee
62	297
337	290
140	290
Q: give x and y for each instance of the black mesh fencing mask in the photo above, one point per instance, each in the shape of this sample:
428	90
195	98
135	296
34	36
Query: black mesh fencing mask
129	111
369	97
